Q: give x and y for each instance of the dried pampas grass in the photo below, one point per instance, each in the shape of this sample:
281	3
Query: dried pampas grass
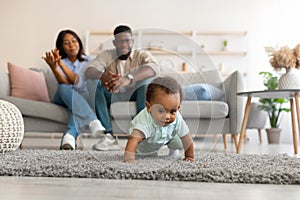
285	57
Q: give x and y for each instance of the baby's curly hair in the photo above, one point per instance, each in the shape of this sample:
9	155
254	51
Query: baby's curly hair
167	84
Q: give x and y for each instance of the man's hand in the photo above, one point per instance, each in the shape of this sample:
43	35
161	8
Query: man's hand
109	79
122	82
113	82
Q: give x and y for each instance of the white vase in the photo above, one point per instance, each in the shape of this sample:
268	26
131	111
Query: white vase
289	80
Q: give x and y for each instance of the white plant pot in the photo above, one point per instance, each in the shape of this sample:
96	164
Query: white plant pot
289	80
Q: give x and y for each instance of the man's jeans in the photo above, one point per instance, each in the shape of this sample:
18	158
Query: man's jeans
103	99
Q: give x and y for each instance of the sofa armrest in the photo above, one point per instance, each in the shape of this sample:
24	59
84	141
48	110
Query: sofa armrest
4	84
232	84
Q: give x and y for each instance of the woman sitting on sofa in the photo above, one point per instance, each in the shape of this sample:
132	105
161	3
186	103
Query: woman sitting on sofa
68	62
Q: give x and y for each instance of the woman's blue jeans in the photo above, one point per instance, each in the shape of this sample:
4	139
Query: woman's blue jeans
80	112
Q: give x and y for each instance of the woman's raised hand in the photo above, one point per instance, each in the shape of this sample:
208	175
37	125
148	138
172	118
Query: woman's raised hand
52	59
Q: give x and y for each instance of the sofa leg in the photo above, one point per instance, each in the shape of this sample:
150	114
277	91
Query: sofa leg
21	145
259	135
225	141
235	140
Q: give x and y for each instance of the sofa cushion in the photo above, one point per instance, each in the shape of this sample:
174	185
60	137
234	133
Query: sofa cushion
189	109
204	109
202	91
27	84
39	109
50	80
123	110
211	77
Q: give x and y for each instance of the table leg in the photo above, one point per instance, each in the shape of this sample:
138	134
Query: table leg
298	111
294	126
244	125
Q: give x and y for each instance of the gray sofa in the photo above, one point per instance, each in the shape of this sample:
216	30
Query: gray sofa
203	117
38	116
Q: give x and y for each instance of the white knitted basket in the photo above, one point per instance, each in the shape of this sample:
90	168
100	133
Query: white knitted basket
11	127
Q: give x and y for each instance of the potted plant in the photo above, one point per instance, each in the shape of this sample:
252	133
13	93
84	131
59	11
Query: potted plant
225	45
289	59
274	107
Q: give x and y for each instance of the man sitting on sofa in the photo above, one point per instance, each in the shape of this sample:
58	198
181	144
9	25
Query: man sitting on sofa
124	74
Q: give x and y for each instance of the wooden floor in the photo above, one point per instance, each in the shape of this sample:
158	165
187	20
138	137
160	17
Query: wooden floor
31	188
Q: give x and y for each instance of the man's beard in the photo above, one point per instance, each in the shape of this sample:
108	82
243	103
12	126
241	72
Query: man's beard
125	56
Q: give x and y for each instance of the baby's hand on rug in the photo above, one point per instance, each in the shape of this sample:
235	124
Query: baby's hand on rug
131	161
189	159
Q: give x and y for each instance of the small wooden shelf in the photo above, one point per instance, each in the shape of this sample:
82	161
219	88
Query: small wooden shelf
99	33
212	53
189	33
226	53
206	33
220	33
166	52
158	42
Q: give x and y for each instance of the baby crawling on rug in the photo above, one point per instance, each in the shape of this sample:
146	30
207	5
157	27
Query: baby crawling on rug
160	123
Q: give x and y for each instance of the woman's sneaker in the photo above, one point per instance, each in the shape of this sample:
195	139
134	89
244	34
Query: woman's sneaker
68	142
107	143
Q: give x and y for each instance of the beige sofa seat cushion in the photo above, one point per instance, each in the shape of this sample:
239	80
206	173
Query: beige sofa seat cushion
123	109
189	109
204	109
39	109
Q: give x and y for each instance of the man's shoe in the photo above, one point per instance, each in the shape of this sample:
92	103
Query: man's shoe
96	127
68	142
107	143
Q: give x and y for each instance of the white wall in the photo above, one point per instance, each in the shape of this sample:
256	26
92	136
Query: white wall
29	28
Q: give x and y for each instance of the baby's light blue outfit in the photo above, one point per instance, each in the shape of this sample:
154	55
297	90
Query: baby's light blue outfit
158	136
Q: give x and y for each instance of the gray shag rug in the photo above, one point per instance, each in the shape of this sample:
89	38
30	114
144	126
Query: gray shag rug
210	167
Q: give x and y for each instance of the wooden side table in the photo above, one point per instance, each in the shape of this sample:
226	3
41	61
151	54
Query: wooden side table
291	94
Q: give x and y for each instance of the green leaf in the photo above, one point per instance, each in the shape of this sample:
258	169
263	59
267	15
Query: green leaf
272	106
